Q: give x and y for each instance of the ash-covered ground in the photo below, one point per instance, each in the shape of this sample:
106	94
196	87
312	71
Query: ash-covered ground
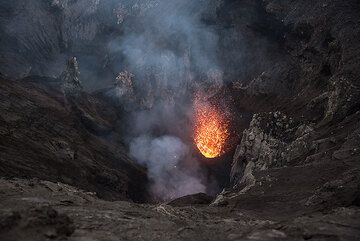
96	120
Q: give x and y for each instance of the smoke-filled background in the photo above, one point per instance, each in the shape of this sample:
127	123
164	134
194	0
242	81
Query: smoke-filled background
167	47
171	168
39	36
149	37
164	50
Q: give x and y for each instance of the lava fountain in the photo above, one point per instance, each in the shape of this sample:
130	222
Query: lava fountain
211	128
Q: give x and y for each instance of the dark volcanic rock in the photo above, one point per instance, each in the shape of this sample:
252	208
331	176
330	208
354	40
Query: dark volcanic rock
40	223
42	135
189	200
314	169
70	78
306	153
94	219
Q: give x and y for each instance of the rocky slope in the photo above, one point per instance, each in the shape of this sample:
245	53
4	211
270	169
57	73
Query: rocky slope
305	154
41	210
43	135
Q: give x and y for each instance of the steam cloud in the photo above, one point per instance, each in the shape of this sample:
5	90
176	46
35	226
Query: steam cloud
167	47
164	156
157	141
164	44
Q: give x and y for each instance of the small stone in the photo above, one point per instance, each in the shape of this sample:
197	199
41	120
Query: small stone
51	234
251	136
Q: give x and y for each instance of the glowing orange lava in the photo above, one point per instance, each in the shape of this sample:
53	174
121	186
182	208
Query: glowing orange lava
210	129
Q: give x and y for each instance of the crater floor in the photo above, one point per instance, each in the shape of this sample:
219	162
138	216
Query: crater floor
42	210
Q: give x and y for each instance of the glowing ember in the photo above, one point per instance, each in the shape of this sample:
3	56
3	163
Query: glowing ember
211	129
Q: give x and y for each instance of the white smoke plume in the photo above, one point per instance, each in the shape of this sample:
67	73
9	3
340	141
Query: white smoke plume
167	46
169	175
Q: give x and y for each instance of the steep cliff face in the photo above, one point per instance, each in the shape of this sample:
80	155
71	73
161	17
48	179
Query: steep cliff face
296	152
304	53
46	135
302	164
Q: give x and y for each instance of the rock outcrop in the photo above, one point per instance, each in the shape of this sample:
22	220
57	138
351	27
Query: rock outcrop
272	140
316	91
25	224
277	153
70	78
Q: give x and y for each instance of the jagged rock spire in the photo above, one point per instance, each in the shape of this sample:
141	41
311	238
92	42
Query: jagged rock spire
70	77
124	84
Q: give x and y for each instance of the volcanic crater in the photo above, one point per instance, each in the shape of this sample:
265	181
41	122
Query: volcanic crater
179	120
